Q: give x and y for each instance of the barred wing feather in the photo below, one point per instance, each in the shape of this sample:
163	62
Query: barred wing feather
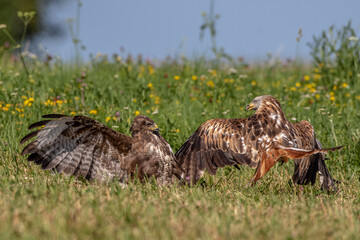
78	146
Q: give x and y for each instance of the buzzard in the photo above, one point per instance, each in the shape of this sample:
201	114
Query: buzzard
82	146
258	141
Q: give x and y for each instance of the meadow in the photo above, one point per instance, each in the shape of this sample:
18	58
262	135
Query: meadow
179	94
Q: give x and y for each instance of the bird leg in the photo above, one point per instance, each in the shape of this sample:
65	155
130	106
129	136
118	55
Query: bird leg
265	164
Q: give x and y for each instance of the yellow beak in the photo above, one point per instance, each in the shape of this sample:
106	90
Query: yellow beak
154	128
250	106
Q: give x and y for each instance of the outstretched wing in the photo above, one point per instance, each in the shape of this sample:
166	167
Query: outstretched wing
218	143
78	146
306	168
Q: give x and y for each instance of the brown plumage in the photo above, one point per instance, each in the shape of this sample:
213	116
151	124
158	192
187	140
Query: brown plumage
82	146
258	141
306	168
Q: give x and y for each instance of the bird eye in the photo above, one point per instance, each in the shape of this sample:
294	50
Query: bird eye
148	124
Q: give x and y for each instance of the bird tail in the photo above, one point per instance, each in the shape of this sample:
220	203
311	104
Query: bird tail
295	153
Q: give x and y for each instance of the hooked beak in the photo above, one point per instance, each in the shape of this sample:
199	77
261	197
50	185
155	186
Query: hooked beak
154	128
250	106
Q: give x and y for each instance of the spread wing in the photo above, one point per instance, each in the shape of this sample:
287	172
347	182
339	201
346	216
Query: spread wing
218	143
306	168
256	141
78	146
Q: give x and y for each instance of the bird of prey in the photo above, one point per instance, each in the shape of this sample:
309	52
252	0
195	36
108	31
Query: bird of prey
258	141
82	146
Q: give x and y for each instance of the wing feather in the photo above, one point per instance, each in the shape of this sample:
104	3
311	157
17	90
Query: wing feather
78	146
222	142
307	168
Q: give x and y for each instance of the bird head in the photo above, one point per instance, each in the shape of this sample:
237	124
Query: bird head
143	123
260	101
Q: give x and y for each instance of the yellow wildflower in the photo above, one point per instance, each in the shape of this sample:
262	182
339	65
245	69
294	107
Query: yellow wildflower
137	113
317	96
297	84
151	70
23	97
176	77
177	130
107	119
148	111
292	89
93	112
73	113
151	95
212	72
253	82
28	102
210	84
306	77
317	76
332	93
118	59
344	85
332	98
358	97
193	77
5	109
335	87
150	85
134	100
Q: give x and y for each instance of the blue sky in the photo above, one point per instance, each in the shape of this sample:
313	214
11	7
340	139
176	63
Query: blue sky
158	28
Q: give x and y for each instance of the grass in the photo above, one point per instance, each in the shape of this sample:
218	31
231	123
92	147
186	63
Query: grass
179	96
